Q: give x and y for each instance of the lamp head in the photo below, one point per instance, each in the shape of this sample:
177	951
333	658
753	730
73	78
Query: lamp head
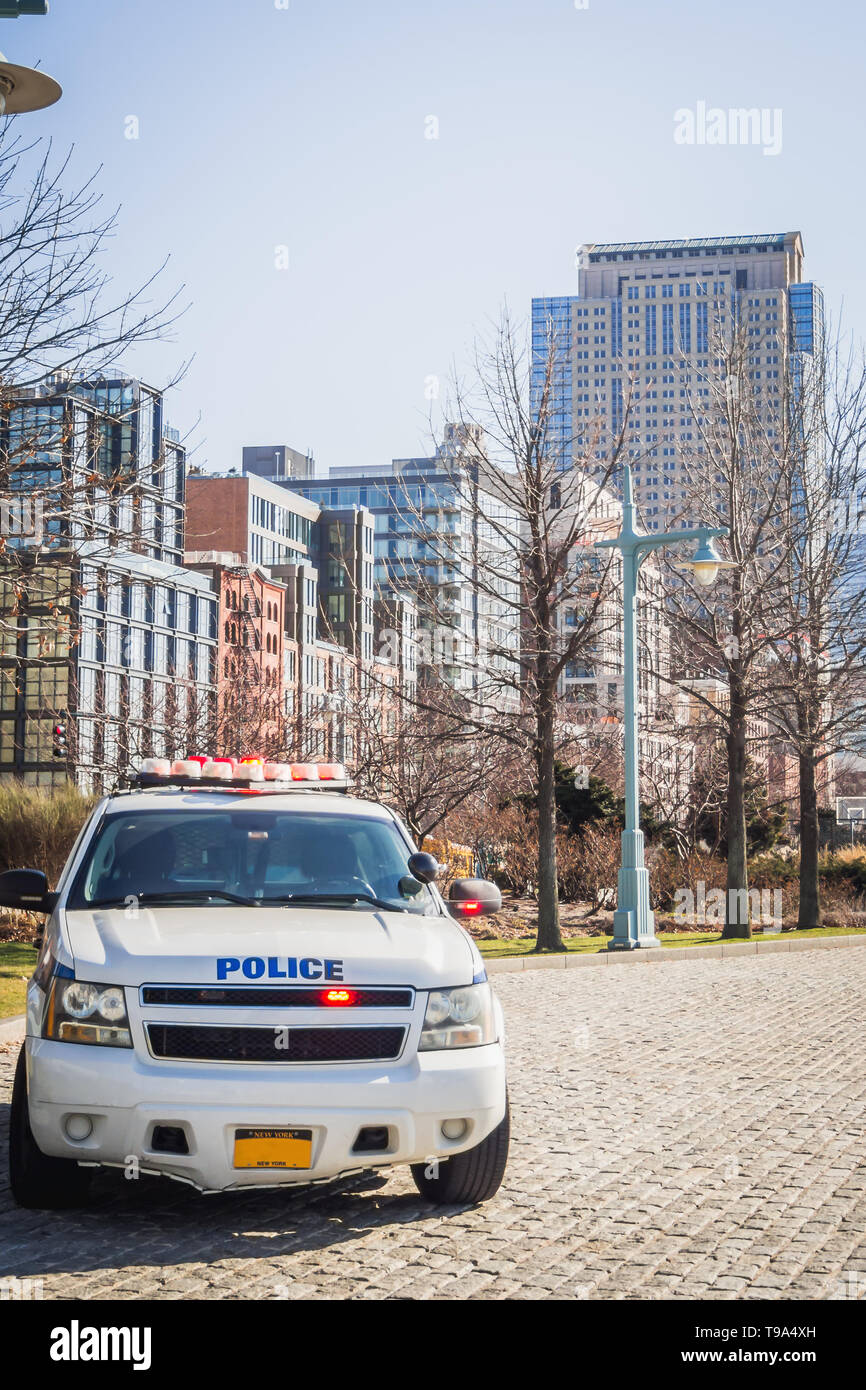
706	563
25	89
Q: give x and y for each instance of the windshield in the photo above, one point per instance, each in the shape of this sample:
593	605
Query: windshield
223	857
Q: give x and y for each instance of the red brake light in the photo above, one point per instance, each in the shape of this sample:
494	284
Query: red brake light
346	997
470	908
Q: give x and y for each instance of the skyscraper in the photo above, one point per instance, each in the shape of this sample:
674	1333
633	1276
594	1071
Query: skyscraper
639	337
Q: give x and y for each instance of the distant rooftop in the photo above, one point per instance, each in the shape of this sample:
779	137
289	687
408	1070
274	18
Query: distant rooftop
143	566
766	241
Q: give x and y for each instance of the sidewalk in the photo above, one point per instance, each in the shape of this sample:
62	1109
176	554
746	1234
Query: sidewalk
721	951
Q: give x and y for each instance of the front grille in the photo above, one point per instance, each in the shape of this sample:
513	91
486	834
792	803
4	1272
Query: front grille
211	1043
267	996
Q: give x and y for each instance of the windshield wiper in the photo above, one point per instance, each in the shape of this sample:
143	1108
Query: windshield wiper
178	895
289	898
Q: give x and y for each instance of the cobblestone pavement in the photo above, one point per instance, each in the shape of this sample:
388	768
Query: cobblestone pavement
688	1130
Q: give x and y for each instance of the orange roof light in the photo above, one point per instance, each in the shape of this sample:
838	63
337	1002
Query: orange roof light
305	772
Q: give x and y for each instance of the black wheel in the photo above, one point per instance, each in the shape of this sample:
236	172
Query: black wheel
473	1176
37	1180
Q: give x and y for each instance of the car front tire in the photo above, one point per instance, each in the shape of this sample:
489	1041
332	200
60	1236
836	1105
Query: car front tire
470	1177
37	1180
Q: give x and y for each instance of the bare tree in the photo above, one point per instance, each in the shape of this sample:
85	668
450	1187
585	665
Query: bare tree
421	755
819	704
532	493
736	476
58	312
63	489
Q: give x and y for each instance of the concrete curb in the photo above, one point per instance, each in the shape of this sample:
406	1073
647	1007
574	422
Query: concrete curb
506	964
12	1029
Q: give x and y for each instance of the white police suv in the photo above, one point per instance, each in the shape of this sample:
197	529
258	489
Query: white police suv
250	979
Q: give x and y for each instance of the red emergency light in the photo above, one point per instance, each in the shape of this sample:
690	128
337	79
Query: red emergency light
339	998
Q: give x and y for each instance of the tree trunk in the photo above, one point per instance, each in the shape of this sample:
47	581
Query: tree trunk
737	900
549	937
810	893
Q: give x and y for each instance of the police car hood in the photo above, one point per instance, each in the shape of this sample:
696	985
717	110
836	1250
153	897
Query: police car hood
270	946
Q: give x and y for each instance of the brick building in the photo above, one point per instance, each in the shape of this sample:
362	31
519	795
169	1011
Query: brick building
343	658
250	657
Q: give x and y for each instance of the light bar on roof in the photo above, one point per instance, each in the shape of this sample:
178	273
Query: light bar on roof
238	773
278	772
186	767
217	769
250	770
156	767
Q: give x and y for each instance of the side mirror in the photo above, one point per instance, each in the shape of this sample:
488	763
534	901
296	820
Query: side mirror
410	886
26	889
473	897
424	867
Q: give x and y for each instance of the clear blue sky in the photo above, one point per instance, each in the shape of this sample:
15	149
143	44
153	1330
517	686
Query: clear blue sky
304	126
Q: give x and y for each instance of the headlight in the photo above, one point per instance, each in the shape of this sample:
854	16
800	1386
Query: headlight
461	1017
78	999
71	1002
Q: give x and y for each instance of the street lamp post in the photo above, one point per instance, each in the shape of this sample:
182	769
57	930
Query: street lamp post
633	921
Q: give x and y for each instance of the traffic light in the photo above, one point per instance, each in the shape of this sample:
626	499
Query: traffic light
61	749
14	10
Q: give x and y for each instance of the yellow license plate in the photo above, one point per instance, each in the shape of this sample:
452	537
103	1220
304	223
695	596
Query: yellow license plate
273	1148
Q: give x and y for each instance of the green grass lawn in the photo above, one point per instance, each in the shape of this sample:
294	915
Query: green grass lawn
587	945
16	960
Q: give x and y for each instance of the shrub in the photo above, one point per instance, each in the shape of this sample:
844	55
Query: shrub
588	866
38	827
669	874
774	870
844	908
587	863
519	832
844	870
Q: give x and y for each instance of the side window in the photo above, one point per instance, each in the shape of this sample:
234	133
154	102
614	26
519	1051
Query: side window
73	853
